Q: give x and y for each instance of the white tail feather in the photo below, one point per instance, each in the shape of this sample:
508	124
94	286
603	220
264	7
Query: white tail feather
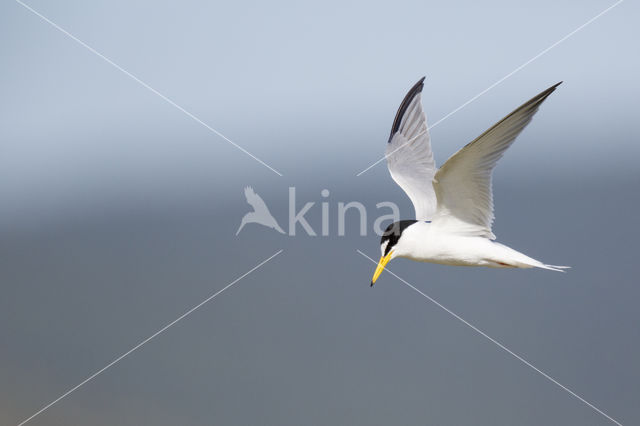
554	267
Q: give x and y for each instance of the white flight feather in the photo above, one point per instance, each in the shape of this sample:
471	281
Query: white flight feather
463	183
410	160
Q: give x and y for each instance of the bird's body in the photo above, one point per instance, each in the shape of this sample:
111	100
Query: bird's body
426	242
453	204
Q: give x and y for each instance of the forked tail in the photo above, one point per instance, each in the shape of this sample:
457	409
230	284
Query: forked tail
512	258
553	267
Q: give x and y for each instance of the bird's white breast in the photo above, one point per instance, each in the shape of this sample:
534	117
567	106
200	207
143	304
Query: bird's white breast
427	243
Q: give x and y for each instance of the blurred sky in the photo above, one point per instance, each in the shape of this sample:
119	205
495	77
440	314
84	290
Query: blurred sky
118	213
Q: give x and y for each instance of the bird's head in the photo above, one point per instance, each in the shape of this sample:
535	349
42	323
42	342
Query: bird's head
391	245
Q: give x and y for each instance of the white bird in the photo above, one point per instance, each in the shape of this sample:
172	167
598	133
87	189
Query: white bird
453	204
260	213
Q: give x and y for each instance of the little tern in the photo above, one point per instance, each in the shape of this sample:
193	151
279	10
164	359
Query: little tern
453	204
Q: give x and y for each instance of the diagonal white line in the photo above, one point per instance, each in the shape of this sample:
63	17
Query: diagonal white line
142	83
500	81
145	341
500	345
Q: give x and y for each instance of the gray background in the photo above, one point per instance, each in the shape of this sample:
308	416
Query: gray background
118	213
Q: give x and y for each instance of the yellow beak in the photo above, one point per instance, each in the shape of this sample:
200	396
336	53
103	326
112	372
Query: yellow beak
381	264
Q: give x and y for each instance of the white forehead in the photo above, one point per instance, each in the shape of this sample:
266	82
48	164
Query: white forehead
383	246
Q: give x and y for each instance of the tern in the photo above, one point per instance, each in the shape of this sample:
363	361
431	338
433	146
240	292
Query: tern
453	204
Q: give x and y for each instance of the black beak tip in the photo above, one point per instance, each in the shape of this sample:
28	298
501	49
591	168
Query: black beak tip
371	284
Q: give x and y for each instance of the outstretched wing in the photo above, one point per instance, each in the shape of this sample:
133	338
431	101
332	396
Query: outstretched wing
255	200
463	183
409	155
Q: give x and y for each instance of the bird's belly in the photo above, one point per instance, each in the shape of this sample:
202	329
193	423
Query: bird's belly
456	251
447	259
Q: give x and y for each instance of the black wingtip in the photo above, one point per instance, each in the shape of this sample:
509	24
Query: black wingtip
540	97
552	88
413	92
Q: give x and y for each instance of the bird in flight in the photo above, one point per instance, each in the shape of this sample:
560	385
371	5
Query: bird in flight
453	204
260	213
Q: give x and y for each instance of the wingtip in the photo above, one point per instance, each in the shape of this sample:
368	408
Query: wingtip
417	88
540	97
412	93
554	87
